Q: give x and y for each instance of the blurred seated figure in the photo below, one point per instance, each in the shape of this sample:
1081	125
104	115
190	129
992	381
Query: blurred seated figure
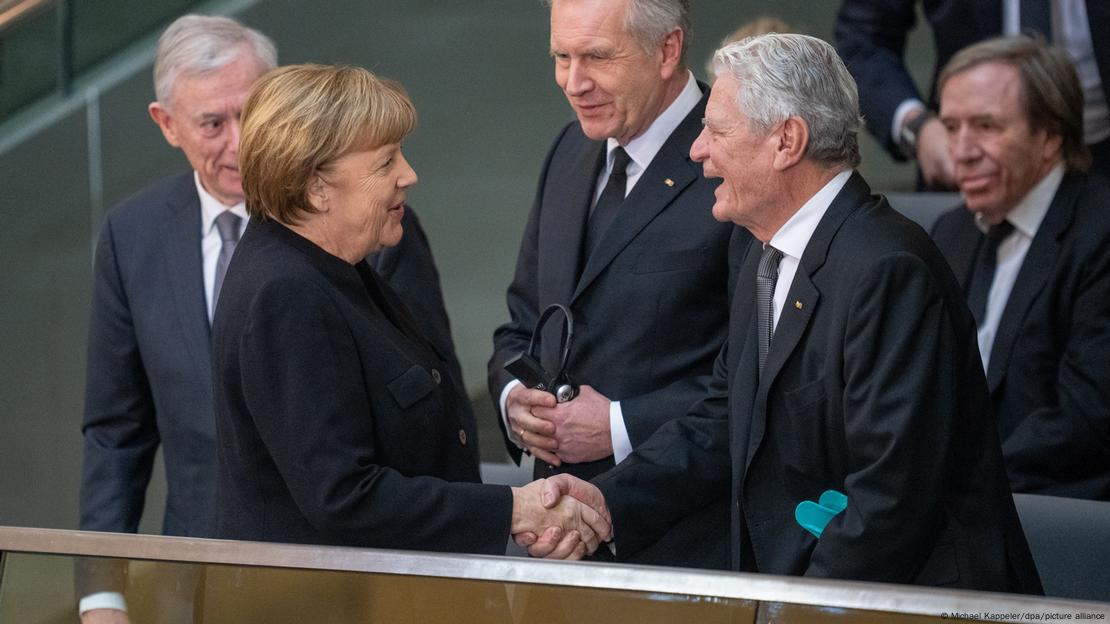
339	421
1031	248
761	25
872	35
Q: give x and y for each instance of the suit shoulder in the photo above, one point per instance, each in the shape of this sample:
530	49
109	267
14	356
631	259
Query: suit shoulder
952	221
1092	206
144	203
877	233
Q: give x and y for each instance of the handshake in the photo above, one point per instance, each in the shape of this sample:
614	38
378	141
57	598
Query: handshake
561	517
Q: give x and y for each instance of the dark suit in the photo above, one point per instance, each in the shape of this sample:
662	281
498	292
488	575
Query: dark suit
873	387
871	38
333	412
1050	363
650	304
149	372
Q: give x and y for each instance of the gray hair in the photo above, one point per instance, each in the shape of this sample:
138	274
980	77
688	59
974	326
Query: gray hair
198	44
787	75
649	21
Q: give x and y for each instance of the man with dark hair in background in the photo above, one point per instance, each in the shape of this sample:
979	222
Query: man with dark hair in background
1031	248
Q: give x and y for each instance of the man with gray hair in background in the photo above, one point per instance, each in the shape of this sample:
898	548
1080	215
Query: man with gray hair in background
848	419
158	270
620	233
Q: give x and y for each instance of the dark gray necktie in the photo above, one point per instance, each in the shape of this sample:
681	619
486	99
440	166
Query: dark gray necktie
765	280
986	262
1036	16
612	196
228	226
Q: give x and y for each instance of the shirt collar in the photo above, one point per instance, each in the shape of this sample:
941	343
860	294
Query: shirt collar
1027	215
643	148
794	235
210	207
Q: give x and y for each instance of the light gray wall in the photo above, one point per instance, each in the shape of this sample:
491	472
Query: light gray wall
481	79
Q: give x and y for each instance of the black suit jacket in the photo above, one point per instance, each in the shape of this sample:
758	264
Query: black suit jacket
1050	362
872	386
337	421
871	38
149	372
650	305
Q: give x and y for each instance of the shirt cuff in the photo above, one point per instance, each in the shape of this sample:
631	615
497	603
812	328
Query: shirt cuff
622	446
514	437
905	108
102	600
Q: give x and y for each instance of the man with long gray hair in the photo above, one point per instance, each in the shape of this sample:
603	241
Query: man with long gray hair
849	420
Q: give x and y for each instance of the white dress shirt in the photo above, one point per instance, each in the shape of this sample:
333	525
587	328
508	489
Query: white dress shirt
793	237
642	151
210	242
1026	218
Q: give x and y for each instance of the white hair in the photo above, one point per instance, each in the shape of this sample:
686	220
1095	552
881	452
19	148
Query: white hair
198	44
788	75
649	21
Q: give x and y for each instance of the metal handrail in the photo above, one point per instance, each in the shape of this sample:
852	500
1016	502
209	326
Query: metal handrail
14	11
881	597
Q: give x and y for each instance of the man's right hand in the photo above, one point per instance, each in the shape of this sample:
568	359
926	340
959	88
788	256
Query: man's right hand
556	545
537	434
933	157
105	616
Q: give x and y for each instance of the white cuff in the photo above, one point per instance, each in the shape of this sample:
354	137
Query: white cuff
905	108
622	446
102	600
514	437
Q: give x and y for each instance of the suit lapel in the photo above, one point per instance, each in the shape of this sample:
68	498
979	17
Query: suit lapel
1032	276
668	174
962	248
185	271
744	369
649	197
793	320
571	204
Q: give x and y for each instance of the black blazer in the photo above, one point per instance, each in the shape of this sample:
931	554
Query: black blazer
149	374
871	38
338	423
650	305
1049	372
872	387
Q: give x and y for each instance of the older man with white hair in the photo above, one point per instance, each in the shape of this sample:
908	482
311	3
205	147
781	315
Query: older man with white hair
158	269
849	421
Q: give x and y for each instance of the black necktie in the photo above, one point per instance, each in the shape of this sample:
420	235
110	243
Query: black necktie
1036	16
228	226
765	280
612	196
985	263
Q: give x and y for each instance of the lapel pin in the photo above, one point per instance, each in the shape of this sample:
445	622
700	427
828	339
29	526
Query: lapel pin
668	182
798	305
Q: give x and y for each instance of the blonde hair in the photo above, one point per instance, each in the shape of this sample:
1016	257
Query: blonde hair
300	119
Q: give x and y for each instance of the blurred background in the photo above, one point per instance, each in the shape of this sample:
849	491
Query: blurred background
75	139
